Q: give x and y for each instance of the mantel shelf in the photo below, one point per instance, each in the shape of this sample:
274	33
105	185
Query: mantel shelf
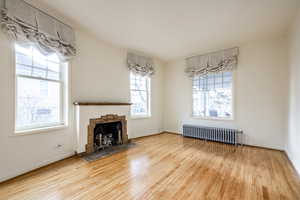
101	104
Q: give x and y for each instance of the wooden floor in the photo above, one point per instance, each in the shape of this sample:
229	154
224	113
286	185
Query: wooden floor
162	167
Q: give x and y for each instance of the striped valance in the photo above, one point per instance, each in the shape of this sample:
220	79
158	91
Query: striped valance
201	65
141	65
29	25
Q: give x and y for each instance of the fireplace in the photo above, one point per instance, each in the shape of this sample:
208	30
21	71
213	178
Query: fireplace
106	132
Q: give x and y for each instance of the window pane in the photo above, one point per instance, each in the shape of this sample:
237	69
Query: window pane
139	94
138	82
199	103
53	75
215	100
202	84
23	70
139	100
39	73
218	80
195	83
38	103
53	66
40	63
38	99
210	82
24	50
219	103
23	59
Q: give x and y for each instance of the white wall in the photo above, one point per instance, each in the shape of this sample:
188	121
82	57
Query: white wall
103	76
261	84
98	73
19	154
293	138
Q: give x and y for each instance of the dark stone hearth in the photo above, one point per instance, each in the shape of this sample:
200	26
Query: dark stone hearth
107	152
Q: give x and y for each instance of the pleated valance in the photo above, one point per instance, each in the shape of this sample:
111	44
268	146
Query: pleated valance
201	65
141	65
29	25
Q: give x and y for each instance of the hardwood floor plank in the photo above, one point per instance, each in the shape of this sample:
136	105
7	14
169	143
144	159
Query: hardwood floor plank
164	166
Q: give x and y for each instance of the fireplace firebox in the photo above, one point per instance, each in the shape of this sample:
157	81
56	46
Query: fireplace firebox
105	132
107	135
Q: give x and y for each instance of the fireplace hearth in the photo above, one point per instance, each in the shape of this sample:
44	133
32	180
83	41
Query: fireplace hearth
106	132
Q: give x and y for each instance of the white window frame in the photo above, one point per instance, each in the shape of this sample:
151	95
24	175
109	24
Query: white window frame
232	118
64	104
148	90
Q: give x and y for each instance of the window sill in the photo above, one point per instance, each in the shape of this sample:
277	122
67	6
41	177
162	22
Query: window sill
39	130
212	118
140	117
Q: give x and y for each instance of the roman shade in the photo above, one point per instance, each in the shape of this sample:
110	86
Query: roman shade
201	65
141	65
29	25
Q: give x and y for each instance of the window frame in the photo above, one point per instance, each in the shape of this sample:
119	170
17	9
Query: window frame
64	96
148	90
232	118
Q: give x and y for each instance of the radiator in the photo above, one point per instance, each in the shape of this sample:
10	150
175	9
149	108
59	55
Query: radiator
225	135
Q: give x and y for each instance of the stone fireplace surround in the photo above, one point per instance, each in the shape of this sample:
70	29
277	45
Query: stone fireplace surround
105	119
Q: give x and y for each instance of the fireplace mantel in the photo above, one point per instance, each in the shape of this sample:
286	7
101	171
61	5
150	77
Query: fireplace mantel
101	104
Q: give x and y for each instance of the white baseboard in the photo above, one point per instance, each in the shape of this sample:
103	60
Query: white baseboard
38	165
175	132
146	134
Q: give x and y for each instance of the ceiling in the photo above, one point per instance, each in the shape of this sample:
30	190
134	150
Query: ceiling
174	28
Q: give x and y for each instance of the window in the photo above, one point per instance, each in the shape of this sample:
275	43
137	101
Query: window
140	95
212	96
40	89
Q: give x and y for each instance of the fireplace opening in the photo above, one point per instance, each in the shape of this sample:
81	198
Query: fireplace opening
107	132
107	135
